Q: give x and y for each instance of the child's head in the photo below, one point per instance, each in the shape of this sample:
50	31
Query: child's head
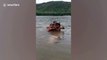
54	21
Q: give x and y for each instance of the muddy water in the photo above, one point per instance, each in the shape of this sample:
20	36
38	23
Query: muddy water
53	45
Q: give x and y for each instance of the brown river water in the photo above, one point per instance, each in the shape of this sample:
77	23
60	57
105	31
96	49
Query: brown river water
54	45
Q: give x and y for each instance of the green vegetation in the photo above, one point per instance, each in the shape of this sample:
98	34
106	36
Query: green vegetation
54	8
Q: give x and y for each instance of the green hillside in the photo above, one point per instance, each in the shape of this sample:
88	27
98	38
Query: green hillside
54	8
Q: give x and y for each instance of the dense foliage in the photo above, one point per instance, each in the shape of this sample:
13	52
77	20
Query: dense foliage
54	8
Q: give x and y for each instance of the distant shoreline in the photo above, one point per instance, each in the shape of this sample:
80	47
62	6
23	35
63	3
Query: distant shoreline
54	8
53	14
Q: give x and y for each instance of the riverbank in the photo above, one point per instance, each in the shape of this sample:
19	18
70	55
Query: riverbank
53	14
56	8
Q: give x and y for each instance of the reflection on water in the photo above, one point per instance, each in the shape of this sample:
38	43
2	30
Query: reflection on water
53	45
55	37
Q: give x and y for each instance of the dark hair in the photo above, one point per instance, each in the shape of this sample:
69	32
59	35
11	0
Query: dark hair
58	24
54	21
